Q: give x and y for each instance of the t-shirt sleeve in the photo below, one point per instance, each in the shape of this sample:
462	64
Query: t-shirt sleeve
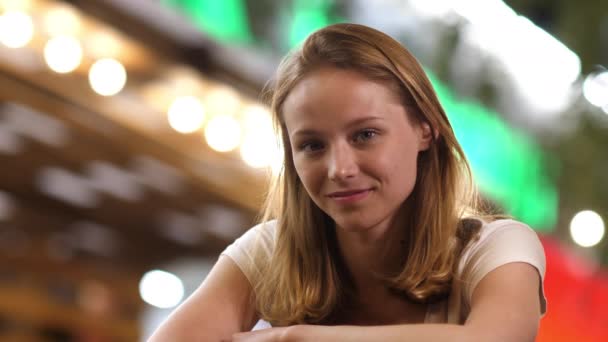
253	250
502	242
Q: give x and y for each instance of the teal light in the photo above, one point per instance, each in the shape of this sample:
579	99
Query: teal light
225	20
509	168
308	16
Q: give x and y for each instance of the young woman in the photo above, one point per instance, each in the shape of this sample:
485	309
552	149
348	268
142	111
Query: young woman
371	231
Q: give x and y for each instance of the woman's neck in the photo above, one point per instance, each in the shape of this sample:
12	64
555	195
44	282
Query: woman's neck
379	250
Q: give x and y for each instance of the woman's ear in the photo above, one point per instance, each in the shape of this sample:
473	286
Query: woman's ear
426	136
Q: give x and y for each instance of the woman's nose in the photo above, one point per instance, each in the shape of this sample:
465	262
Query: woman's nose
342	163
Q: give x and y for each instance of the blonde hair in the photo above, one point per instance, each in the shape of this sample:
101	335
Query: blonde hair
306	281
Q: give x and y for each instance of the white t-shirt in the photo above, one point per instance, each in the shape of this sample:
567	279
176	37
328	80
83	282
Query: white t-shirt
500	242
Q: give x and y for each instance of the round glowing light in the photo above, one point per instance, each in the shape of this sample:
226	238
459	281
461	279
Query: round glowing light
161	289
587	228
20	5
63	54
186	114
103	43
61	20
222	100
223	133
278	163
260	146
16	29
256	117
595	89
107	77
260	149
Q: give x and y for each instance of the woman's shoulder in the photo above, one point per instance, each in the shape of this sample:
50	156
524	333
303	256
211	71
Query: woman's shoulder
490	227
261	235
252	250
500	242
501	236
266	234
497	242
265	230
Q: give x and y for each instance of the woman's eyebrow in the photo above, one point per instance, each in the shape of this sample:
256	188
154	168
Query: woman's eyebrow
305	131
364	120
356	122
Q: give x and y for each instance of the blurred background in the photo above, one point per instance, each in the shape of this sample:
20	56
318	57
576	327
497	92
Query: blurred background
134	145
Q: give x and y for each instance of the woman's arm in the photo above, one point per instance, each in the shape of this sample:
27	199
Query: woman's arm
505	307
220	307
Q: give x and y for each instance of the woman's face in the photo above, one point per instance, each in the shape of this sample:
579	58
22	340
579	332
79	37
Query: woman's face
353	147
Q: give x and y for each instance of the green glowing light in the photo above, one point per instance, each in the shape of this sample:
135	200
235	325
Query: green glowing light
225	20
308	16
509	168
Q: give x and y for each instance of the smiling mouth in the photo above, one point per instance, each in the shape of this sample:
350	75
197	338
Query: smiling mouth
349	196
347	193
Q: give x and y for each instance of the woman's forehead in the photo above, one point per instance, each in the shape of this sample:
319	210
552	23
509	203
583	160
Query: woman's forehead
333	88
338	100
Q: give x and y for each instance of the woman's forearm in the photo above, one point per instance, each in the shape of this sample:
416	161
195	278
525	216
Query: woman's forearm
388	333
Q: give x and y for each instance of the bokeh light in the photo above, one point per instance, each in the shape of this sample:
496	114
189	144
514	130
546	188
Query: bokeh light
256	117
260	145
186	114
16	29
63	54
20	5
222	100
61	20
587	228
107	76
103	43
595	89
161	289
543	68
260	149
223	133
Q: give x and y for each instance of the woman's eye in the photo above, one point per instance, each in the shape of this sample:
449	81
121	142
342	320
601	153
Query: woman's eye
311	146
365	135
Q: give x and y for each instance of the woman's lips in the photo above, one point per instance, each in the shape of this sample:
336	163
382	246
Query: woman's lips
349	196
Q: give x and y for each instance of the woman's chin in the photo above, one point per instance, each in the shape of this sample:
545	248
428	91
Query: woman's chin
352	224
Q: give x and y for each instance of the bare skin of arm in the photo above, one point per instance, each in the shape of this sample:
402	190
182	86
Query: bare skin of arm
220	307
504	308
